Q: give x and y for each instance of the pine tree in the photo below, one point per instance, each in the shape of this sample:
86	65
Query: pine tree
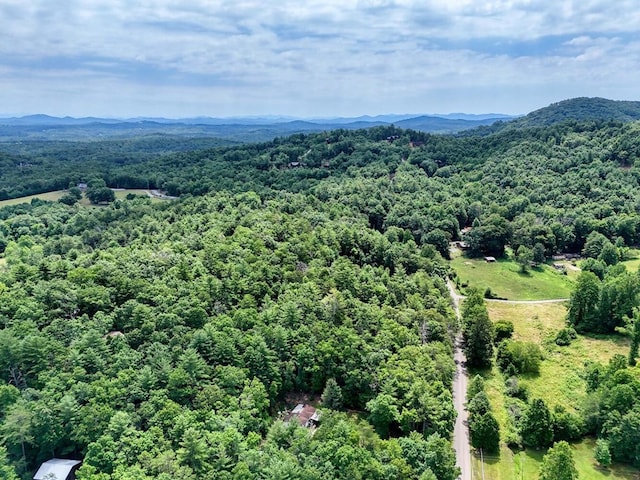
537	425
478	341
601	452
485	432
332	395
558	463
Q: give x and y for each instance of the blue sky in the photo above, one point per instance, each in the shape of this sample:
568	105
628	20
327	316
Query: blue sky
179	58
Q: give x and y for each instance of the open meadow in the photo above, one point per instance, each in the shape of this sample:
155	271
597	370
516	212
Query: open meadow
505	279
559	382
120	194
48	196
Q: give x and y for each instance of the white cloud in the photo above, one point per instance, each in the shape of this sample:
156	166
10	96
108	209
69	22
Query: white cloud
312	57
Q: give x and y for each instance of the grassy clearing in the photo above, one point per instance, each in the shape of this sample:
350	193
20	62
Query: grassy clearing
505	279
49	196
122	194
559	382
525	464
633	264
58	194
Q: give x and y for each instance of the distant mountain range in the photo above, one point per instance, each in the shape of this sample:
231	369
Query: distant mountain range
45	127
41	119
262	128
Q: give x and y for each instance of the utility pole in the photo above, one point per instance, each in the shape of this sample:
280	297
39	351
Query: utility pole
482	463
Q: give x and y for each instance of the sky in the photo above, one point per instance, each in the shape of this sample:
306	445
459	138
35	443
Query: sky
312	58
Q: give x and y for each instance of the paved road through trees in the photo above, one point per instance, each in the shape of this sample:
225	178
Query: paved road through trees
460	431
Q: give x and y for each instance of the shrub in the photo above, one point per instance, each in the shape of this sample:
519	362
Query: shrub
503	330
515	389
515	357
565	336
566	425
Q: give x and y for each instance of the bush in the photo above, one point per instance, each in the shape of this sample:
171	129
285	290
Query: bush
515	357
515	389
601	453
566	425
565	336
503	330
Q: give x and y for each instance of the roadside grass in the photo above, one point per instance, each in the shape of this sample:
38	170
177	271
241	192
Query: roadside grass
559	382
525	464
506	281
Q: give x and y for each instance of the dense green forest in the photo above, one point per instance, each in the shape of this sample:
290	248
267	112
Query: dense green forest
165	340
161	341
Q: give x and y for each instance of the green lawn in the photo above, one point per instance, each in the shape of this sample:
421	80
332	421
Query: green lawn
505	279
559	381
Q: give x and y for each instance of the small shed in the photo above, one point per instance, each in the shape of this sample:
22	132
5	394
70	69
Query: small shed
82	186
489	259
57	469
306	415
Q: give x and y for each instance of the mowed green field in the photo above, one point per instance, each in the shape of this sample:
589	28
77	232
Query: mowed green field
559	382
506	281
58	194
49	196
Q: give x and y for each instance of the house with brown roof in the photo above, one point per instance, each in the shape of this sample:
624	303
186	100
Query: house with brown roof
305	415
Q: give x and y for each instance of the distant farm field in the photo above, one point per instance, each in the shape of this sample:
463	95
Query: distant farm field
49	196
58	194
505	280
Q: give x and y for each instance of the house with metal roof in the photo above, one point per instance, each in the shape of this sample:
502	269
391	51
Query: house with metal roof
306	415
57	469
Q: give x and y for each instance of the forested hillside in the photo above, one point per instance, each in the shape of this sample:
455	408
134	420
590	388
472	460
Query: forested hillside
161	342
167	340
